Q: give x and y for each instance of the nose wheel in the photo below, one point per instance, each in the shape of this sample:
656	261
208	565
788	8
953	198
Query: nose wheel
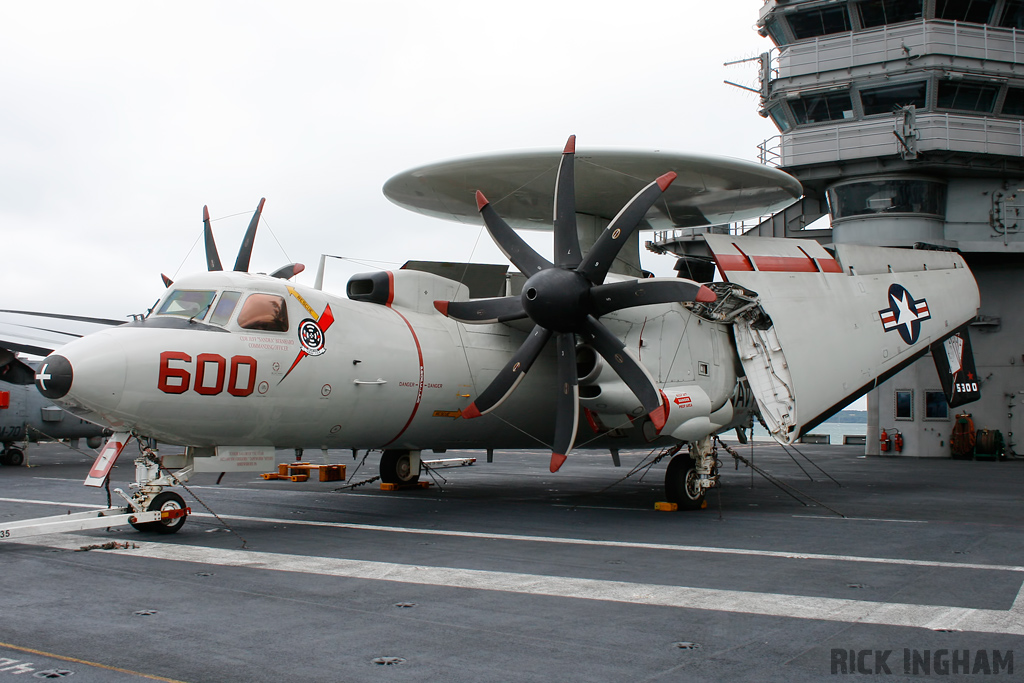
173	512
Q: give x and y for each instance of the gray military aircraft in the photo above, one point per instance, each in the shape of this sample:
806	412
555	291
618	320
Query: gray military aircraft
26	416
232	365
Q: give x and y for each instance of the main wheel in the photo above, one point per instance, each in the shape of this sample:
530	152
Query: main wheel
12	456
396	467
682	484
167	501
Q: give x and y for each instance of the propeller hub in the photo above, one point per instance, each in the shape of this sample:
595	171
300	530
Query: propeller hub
557	299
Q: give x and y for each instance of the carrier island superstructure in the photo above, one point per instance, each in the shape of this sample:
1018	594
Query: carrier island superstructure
904	121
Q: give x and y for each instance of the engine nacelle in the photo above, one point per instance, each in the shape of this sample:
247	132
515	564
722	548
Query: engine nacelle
600	391
690	415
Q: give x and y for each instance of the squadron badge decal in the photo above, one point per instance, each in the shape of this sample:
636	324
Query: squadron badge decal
904	314
312	333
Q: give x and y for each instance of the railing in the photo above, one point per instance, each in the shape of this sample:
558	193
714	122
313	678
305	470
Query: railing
902	42
840	141
769	152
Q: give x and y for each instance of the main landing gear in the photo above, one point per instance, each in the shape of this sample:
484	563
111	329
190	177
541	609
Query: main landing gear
690	475
400	467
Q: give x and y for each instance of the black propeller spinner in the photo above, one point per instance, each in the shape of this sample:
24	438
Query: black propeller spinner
244	251
566	298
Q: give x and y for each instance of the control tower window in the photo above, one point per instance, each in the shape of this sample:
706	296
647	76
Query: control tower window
823	107
884	197
974	11
819	22
1013	105
881	12
264	312
778	116
967	96
1013	14
893	97
776	32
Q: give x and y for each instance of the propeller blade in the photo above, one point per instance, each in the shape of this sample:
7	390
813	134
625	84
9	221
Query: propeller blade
511	375
167	281
618	295
245	251
567	239
480	311
289	271
512	245
212	257
599	259
627	368
567	405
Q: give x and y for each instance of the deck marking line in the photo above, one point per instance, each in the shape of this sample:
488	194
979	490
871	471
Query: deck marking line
780	554
716	600
51	655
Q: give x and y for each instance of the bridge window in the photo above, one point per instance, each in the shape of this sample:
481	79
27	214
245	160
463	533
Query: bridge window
264	312
775	31
224	308
881	12
974	11
1013	14
893	97
887	196
967	96
778	116
1013	105
819	22
187	303
822	107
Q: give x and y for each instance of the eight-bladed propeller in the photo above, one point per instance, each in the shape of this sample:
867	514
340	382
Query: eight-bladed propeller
566	298
244	251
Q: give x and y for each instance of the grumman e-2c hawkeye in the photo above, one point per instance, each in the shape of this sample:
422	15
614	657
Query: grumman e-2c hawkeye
232	365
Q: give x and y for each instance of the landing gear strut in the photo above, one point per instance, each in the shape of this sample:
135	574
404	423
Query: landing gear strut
690	475
149	495
400	467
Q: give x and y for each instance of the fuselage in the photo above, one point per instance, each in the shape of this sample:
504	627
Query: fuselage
231	358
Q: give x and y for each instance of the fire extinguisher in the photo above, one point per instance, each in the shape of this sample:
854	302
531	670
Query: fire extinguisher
897	442
884	442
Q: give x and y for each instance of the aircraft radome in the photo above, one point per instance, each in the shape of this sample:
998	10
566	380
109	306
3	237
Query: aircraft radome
581	350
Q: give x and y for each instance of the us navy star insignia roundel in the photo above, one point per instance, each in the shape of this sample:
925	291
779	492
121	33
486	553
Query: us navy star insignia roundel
904	314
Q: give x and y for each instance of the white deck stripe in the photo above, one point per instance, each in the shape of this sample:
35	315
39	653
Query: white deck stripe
742	602
779	554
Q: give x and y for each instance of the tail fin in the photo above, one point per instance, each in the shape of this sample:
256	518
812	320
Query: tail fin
954	361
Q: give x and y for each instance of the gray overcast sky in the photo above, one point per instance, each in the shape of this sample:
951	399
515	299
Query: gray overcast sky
120	120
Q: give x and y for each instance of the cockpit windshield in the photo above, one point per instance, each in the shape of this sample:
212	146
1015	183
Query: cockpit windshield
224	308
188	303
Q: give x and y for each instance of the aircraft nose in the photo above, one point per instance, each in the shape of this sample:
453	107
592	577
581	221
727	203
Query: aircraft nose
87	373
53	379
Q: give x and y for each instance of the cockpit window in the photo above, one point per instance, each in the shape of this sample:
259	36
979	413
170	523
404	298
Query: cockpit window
187	303
224	308
264	312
